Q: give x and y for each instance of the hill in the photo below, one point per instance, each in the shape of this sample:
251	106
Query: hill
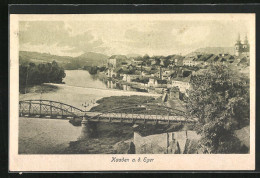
216	50
35	57
86	59
118	56
92	58
132	55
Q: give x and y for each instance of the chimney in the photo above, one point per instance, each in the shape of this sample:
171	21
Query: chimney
160	72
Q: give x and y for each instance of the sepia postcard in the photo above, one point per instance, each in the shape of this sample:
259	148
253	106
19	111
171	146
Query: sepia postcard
132	92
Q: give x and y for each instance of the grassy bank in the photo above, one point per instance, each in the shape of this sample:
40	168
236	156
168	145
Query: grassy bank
108	103
43	88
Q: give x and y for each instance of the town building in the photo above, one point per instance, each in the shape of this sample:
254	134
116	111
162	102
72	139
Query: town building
178	61
137	63
111	73
129	78
183	83
157	82
162	61
166	75
115	61
189	61
112	63
159	73
174	93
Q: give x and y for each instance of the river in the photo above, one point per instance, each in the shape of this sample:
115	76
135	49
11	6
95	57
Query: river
81	87
47	136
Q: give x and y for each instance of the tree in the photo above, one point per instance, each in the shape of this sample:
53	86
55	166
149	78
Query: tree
33	74
157	61
220	101
146	58
166	62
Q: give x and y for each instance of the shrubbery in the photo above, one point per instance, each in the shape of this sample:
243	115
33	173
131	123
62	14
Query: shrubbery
94	69
33	74
220	100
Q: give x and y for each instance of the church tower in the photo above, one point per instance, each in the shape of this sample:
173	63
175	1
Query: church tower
238	46
246	47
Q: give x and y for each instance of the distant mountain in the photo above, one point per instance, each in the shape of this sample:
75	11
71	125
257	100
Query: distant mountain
92	58
122	57
132	55
88	59
216	50
27	56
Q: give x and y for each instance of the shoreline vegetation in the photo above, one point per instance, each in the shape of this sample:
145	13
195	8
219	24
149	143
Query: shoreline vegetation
118	138
31	74
107	103
42	88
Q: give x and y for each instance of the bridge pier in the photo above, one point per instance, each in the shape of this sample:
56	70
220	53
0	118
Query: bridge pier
88	129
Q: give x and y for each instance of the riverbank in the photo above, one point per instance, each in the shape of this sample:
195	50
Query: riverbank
116	138
138	86
107	103
103	141
76	96
43	88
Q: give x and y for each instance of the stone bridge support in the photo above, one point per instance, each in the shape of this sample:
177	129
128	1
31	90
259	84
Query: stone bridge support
89	129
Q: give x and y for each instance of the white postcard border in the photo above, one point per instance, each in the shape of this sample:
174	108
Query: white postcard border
102	162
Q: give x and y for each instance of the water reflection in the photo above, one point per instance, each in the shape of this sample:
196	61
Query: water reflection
111	84
82	78
88	130
115	85
127	88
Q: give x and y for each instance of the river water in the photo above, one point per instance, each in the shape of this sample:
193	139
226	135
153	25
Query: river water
46	136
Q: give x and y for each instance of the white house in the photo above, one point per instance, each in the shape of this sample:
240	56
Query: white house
152	82
182	83
129	78
111	73
114	62
166	75
188	62
156	82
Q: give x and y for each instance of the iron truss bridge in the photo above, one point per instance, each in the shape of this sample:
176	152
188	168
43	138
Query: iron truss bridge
136	113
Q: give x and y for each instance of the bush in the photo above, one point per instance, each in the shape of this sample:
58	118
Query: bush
220	100
33	74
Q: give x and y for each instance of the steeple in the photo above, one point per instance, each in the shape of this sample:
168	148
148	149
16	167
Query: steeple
238	46
238	38
246	40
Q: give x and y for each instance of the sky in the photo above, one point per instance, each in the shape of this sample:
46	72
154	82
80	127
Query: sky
152	37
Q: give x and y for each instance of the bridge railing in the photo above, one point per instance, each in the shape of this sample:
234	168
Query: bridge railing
144	112
47	107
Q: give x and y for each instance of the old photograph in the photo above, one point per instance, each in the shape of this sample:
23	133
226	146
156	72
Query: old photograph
134	84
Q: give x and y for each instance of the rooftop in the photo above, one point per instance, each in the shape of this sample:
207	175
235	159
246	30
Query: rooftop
182	79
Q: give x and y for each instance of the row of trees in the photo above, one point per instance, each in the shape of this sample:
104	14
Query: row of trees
147	62
94	69
220	100
32	74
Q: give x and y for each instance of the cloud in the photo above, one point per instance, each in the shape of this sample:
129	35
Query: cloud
52	49
37	35
123	37
191	35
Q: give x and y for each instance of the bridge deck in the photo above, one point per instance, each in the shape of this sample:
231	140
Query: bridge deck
116	117
53	109
119	116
